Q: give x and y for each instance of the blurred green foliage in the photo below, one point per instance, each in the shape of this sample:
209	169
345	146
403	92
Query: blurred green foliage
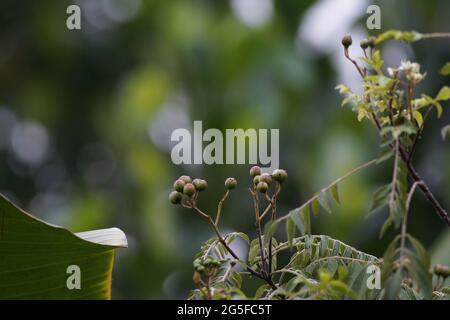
86	117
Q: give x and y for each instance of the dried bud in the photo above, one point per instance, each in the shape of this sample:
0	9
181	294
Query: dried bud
267	178
279	175
175	197
200	184
189	189
255	171
178	185
230	183
347	41
262	187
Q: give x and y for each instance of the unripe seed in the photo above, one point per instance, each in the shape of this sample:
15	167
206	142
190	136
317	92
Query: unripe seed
364	44
175	197
200	184
230	183
442	270
267	178
371	41
347	41
186	179
256	180
279	175
178	185
189	189
262	187
255	171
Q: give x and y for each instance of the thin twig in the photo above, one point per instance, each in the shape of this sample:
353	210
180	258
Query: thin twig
227	247
219	207
436	35
338	180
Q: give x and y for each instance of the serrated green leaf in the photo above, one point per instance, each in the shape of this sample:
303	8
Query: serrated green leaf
445	70
444	94
420	273
290	230
261	290
323	249
296	217
315	206
393	286
422	253
269	229
335	193
419	118
306	216
324	202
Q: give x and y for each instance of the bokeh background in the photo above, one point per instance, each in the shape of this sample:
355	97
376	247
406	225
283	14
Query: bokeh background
86	118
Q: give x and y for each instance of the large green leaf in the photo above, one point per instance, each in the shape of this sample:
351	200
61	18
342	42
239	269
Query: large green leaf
37	260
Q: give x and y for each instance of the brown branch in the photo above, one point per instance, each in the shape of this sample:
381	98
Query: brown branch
227	247
436	35
405	156
424	188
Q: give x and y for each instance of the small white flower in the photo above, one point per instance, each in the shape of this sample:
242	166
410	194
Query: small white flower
391	72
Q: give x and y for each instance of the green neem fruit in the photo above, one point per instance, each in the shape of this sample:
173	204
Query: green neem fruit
189	189
255	171
178	185
256	180
279	175
265	177
347	41
262	187
442	270
175	197
364	44
371	41
230	183
186	179
200	184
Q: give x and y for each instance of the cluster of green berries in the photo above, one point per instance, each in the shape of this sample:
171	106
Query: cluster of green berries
364	44
262	181
208	265
184	185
